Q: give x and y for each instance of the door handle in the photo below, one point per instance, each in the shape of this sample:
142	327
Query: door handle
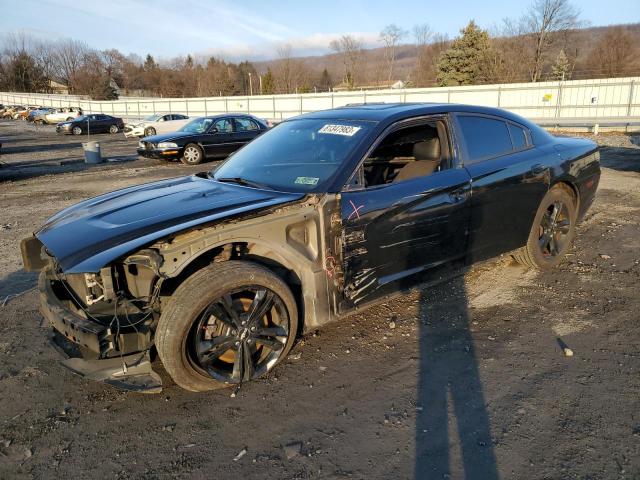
538	168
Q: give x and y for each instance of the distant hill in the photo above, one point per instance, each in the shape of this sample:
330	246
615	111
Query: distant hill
578	45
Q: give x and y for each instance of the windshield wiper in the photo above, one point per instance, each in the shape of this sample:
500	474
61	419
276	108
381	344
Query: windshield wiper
243	181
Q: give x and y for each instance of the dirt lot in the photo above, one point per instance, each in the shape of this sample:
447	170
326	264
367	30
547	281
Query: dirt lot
467	379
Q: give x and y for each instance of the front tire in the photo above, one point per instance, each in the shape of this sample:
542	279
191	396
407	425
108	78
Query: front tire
552	232
228	323
76	131
192	155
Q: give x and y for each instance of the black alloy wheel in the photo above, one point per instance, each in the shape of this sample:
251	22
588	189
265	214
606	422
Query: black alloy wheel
240	335
554	229
228	323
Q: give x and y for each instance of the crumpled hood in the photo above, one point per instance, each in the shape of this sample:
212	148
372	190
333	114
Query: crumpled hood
93	233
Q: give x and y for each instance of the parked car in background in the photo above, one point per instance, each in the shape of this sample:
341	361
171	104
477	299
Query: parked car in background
10	111
92	123
37	116
22	112
204	138
62	114
324	214
155	124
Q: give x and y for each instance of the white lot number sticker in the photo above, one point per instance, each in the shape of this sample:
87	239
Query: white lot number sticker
307	180
346	130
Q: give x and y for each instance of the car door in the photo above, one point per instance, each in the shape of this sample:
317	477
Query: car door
100	124
509	179
396	232
163	124
219	140
246	130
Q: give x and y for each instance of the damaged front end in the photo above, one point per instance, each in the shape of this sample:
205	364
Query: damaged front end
103	322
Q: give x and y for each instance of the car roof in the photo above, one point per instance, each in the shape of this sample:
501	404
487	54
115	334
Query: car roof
377	112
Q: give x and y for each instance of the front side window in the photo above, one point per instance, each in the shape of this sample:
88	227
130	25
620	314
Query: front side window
296	155
406	153
199	125
484	137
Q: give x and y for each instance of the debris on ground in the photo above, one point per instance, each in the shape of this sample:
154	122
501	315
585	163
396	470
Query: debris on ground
292	450
240	454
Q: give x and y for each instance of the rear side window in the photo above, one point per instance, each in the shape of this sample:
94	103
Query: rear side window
245	125
484	137
518	137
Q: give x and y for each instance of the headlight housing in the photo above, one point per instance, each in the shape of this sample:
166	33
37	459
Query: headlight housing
167	145
141	144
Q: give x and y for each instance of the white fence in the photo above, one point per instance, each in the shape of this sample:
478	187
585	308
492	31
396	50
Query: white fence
617	98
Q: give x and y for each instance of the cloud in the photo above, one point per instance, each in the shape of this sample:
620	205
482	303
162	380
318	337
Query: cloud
316	44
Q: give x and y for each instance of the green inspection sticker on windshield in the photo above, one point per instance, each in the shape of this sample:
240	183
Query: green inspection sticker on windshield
307	180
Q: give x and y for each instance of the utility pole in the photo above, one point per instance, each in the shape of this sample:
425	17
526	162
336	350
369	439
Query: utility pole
250	85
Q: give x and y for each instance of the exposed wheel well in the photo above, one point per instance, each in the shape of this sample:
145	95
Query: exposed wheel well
240	251
571	189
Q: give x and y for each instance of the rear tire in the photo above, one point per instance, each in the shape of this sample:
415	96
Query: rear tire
150	131
196	315
113	129
192	155
552	232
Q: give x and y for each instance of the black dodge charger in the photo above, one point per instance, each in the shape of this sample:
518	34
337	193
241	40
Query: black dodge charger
204	138
217	273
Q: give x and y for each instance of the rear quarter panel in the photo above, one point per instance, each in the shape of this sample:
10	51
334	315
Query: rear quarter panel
579	164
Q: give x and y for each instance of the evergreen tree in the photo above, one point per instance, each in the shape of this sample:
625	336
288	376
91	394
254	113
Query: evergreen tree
462	63
561	69
149	64
325	81
268	83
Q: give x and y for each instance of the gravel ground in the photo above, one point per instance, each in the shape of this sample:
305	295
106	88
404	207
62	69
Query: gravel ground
466	379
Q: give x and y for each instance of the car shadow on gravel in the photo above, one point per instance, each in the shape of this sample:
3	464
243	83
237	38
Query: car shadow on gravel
45	147
621	159
452	424
16	283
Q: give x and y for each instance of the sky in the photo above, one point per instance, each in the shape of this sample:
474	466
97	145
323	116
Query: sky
254	30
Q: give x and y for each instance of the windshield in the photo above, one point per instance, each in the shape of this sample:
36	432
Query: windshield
199	125
298	155
152	118
81	118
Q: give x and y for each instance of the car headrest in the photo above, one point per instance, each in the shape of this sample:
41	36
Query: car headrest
427	150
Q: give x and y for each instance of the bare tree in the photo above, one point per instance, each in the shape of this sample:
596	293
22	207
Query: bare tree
350	50
426	69
422	35
69	57
543	20
615	54
391	36
284	69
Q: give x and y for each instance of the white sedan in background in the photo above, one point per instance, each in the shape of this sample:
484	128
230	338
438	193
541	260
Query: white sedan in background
62	115
155	124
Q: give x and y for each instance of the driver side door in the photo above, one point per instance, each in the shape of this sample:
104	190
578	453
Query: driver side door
397	231
219	139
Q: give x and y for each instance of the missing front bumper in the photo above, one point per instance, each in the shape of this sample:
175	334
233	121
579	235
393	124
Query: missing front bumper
74	335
